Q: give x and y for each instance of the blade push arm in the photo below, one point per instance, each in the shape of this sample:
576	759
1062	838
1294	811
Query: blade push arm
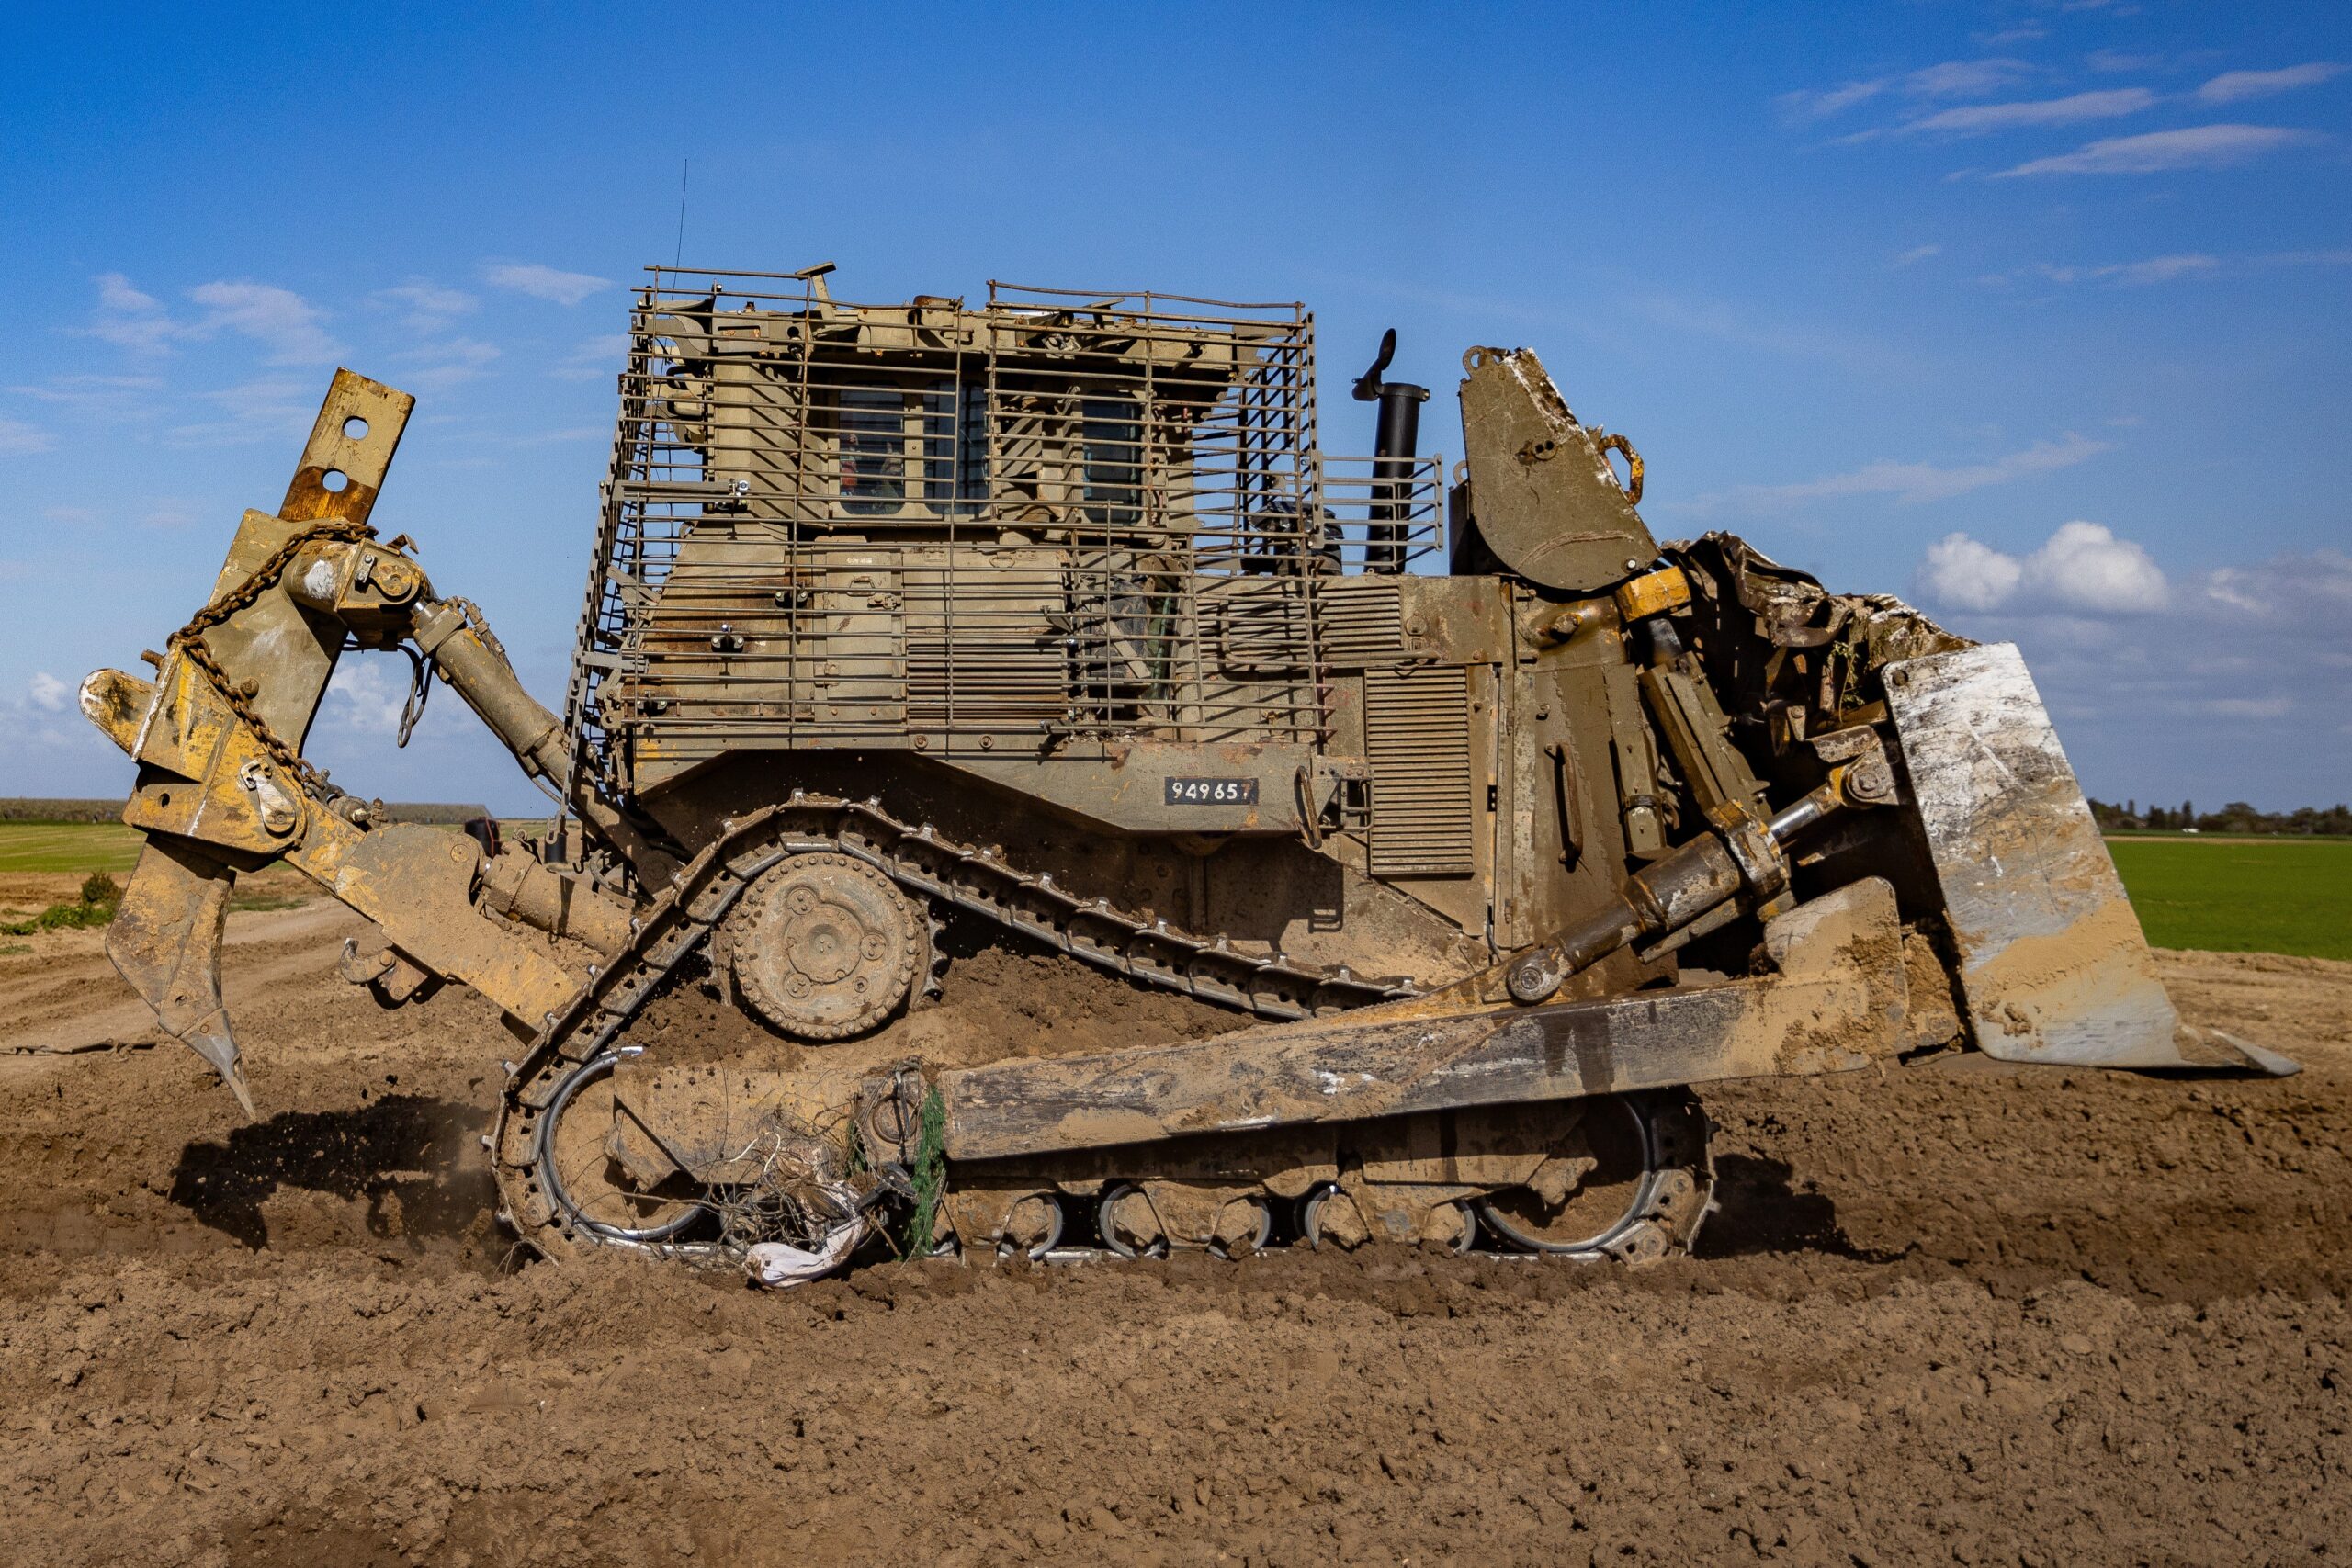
223	787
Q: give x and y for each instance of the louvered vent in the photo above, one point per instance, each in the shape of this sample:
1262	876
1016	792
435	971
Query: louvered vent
1417	737
1260	624
1360	621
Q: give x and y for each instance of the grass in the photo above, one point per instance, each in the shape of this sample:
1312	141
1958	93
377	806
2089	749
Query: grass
68	846
104	853
2242	895
100	846
246	901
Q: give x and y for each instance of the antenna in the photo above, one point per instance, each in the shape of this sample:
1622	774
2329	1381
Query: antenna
683	165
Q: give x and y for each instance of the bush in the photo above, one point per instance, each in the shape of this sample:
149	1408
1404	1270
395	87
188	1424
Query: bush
101	895
61	918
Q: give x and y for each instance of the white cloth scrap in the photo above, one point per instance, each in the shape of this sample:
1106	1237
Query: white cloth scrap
780	1266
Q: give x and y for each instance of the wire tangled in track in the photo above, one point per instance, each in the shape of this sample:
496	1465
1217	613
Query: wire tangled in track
801	1187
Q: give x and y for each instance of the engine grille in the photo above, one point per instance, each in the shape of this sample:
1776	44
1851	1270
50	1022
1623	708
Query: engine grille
1417	738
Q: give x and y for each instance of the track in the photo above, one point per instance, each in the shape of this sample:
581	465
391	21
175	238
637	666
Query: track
1651	1185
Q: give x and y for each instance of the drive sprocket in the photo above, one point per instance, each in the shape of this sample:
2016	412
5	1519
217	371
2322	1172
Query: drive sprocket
824	947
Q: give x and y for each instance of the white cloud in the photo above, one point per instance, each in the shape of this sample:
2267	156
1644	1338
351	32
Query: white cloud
1726	322
2248	707
364	697
594	359
447	365
1951	79
1968	574
2082	567
541	282
1963	78
281	409
1978	120
425	306
1907	482
2168	269
15	435
130	318
1917	253
2156	269
2194	147
1807	104
553	437
281	320
2317	587
2241	656
2230	87
2085	566
44	721
116	396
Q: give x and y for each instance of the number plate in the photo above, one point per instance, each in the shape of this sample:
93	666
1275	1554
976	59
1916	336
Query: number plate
1212	792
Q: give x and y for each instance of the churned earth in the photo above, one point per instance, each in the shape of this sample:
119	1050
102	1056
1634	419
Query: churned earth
1953	1312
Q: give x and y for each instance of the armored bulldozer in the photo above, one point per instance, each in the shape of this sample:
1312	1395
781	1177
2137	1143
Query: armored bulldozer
1494	824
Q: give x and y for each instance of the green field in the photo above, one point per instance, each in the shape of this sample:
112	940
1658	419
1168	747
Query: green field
78	847
2242	895
2226	895
85	847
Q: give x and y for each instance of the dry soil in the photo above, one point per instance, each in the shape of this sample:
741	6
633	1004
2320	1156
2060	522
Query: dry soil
1947	1314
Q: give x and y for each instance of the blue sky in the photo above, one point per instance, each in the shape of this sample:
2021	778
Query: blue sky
2034	312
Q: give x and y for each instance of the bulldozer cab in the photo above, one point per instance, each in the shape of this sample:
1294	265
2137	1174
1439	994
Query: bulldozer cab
1047	526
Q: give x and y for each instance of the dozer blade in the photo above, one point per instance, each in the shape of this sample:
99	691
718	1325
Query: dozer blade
165	940
2054	966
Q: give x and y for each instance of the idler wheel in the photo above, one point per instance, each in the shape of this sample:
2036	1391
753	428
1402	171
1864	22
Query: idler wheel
825	947
1604	1209
591	1188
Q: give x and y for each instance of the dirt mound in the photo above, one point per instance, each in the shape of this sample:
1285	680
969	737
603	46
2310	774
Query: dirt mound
993	1002
1976	1315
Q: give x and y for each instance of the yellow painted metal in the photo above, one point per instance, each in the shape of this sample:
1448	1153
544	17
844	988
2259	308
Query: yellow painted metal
1653	594
417	882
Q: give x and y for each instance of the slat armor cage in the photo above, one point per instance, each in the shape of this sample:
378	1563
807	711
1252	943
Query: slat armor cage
1054	522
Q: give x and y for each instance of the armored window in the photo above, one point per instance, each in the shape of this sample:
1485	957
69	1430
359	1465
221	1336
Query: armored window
898	444
1111	431
955	448
874	450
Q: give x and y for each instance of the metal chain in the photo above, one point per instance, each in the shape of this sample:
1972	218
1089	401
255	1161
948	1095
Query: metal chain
189	640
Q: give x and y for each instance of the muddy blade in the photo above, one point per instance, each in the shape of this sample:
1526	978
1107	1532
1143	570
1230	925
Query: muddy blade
2052	963
165	940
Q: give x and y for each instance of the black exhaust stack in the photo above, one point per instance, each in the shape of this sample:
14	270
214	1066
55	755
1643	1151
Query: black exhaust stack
1395	446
